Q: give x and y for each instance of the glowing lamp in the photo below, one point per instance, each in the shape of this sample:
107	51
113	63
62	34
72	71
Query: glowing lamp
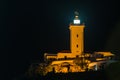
76	21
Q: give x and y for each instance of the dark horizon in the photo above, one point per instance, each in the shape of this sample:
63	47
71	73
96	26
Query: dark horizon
30	28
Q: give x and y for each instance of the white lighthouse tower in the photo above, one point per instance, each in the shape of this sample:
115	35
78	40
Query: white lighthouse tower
76	36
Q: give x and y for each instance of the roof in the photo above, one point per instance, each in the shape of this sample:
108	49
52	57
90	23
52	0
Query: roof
50	54
61	61
65	51
105	53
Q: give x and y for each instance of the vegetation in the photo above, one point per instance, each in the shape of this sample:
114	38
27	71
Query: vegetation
113	71
38	69
82	62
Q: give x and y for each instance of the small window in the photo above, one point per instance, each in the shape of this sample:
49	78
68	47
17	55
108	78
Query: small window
77	35
77	45
65	57
77	56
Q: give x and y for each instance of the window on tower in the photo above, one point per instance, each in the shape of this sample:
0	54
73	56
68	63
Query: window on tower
77	35
77	45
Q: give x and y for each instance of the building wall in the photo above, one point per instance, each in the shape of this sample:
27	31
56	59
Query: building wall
65	55
48	57
76	39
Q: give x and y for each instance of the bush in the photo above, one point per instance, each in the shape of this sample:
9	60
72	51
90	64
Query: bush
113	71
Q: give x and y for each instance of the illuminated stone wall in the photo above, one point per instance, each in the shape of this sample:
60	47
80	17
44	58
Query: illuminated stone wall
76	38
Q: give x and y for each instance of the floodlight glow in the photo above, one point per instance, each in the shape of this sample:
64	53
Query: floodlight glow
76	21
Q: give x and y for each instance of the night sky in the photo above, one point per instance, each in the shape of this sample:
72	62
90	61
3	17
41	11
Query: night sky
30	28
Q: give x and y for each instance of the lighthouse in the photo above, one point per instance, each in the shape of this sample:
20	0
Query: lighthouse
76	41
76	36
75	59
